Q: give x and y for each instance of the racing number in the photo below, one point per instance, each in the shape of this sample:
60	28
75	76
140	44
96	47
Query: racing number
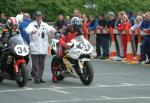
25	50
19	50
83	47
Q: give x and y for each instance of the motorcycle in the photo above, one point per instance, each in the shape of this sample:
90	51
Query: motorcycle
76	61
13	64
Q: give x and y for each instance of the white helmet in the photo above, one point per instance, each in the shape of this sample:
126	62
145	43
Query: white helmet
75	21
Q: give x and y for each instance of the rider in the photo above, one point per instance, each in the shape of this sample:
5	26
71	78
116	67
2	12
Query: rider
8	30
72	31
74	28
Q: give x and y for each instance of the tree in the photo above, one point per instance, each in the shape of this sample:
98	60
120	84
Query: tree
52	8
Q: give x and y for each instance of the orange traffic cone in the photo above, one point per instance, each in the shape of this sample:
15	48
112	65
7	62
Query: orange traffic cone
129	55
113	46
138	55
49	50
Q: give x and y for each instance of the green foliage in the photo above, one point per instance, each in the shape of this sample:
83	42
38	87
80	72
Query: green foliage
52	8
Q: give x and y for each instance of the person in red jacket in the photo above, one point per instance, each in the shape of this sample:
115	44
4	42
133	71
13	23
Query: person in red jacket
122	25
85	30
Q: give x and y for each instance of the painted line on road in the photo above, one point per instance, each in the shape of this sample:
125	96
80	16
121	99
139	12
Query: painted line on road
104	86
34	89
59	89
102	98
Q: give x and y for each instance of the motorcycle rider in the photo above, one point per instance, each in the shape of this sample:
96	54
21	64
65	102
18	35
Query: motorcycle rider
8	30
72	31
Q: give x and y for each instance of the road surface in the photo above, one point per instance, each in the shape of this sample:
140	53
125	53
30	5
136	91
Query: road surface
113	83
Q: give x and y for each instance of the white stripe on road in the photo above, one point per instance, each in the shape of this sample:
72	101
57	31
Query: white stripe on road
34	89
105	86
103	98
57	88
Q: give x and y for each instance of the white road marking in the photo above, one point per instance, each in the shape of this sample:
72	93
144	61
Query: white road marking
103	98
56	88
16	90
116	74
34	89
127	84
106	86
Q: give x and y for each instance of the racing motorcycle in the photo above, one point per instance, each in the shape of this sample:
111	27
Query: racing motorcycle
13	65
76	61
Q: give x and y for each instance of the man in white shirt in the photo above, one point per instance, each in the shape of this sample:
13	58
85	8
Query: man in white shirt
39	31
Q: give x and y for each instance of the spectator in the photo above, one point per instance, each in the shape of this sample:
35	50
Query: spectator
3	20
142	14
93	22
85	29
138	21
84	18
59	25
38	31
145	46
23	25
112	20
103	38
121	24
131	17
92	27
137	24
111	23
67	21
19	17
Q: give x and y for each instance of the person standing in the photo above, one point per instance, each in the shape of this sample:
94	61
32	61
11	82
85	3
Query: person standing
3	20
19	17
145	46
103	37
93	22
22	26
38	31
67	21
60	24
111	24
85	29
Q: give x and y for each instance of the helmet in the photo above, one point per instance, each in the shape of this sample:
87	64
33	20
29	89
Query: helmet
12	23
75	21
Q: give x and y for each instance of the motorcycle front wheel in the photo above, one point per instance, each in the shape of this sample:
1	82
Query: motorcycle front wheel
56	72
88	73
22	79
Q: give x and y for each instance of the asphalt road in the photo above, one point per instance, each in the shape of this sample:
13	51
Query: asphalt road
113	83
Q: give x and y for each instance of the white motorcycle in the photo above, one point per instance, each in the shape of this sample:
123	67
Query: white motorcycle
76	61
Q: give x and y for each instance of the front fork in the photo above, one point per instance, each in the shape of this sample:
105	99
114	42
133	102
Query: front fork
81	64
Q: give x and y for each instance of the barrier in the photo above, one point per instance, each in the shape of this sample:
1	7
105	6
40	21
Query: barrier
113	52
129	54
129	58
138	55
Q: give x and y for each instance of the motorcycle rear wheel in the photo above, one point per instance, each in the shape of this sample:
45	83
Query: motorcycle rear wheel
88	74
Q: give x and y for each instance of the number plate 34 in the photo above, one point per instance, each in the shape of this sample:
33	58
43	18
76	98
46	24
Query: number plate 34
21	50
